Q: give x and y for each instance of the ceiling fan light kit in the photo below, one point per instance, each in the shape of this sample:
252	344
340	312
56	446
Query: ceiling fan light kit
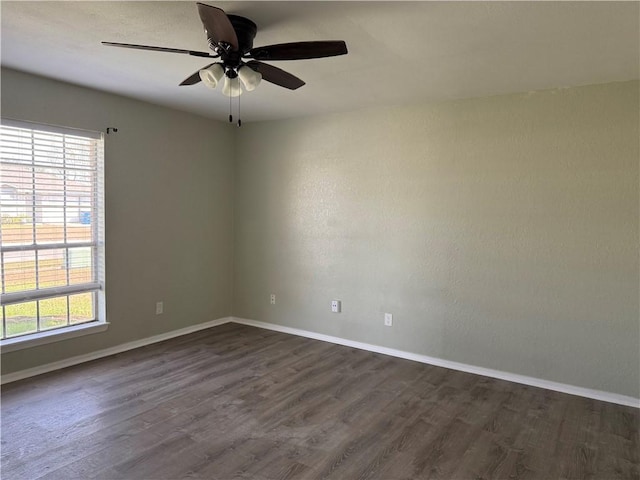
212	75
231	87
230	37
249	78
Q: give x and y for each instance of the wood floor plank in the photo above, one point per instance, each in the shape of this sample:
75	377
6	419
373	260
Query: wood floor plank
237	402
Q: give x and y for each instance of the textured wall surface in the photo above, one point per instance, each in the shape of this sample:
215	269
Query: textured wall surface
168	182
501	232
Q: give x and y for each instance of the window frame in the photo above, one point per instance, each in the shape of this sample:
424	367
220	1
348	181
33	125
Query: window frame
97	244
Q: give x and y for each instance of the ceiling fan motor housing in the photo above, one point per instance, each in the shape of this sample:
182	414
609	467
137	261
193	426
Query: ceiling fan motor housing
245	31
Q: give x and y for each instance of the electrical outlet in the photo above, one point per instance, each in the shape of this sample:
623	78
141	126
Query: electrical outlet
388	319
159	308
273	299
336	306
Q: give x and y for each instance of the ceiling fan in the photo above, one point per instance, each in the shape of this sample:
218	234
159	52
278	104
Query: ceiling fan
231	39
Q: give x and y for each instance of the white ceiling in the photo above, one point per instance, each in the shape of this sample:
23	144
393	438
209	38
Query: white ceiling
399	52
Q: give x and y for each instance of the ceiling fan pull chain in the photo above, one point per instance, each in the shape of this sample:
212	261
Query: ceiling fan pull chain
239	120
230	116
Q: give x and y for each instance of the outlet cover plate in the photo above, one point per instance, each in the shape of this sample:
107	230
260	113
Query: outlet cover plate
388	319
336	306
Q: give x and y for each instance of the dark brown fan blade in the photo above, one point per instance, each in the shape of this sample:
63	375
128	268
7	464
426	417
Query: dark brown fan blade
160	49
217	26
275	75
299	50
195	78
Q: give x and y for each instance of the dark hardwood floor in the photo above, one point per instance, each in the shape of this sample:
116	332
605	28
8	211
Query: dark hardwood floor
245	403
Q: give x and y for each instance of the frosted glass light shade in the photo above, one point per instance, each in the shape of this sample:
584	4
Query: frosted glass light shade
250	78
231	87
210	76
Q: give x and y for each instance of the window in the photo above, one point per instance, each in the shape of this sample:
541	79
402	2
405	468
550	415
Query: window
52	229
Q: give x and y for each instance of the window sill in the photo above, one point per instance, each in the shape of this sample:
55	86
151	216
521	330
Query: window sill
42	338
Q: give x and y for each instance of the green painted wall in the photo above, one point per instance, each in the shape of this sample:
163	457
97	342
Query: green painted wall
501	232
168	184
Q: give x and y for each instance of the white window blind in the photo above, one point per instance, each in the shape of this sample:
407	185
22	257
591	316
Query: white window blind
52	228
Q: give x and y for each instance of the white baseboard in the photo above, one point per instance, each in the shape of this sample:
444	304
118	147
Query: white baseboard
439	362
463	367
68	362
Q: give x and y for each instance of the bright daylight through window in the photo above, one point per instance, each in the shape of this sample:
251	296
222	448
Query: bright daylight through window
52	233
